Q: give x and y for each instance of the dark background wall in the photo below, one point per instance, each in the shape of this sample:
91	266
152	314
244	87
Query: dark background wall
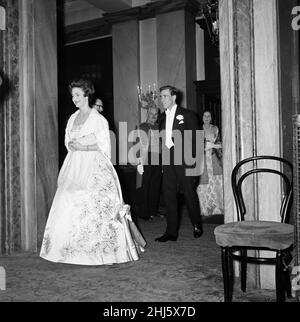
208	91
92	60
289	73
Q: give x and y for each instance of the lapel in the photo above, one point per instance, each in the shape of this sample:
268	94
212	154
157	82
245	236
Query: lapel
175	121
162	126
162	121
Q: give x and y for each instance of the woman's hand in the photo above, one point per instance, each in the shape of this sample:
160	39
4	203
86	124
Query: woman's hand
76	146
208	145
71	146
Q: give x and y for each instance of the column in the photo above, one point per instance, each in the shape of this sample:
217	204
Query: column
250	104
148	57
46	110
29	137
126	78
10	194
176	53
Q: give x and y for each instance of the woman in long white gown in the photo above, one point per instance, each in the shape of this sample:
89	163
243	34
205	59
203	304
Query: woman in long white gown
210	188
88	223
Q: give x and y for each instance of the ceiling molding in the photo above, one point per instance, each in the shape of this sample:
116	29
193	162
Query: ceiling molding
152	9
84	31
110	5
77	5
102	27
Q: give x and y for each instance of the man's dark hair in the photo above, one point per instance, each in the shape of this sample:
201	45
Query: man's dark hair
173	90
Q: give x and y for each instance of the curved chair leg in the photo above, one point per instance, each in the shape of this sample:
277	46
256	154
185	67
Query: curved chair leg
243	270
280	294
227	280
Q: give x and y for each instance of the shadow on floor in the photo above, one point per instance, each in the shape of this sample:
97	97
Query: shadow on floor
214	219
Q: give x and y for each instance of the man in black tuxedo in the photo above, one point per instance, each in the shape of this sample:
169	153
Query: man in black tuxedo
179	129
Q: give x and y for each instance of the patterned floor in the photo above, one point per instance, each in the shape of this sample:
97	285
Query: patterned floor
188	270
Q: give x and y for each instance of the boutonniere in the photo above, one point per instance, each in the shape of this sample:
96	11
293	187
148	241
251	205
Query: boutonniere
180	118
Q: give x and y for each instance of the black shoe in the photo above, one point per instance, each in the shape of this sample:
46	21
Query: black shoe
164	238
198	231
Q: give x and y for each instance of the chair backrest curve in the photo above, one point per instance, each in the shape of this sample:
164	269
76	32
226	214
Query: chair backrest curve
237	184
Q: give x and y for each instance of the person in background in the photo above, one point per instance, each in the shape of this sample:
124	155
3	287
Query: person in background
149	166
210	188
98	105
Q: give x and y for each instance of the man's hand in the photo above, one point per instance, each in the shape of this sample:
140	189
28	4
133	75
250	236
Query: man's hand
140	169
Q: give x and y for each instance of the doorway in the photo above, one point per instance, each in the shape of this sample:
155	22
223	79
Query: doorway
208	99
92	60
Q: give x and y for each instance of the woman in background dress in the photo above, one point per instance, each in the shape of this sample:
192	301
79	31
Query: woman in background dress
88	223
210	189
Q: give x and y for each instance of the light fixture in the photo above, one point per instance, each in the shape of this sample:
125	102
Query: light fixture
210	12
147	99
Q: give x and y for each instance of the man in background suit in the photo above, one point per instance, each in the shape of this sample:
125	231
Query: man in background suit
149	166
178	128
98	105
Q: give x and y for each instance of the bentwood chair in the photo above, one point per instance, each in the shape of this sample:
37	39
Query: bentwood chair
237	238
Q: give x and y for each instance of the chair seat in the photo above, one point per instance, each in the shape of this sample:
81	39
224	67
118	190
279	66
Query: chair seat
269	234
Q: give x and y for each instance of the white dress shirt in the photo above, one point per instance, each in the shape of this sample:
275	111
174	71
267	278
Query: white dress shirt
170	114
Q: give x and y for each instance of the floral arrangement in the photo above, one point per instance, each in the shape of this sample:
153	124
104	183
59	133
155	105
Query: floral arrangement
147	99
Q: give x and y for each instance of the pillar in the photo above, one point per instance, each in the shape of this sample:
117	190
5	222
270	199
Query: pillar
10	180
250	105
29	137
125	37
176	53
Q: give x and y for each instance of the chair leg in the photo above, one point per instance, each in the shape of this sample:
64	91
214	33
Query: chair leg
243	270
287	283
231	273
287	257
280	291
227	280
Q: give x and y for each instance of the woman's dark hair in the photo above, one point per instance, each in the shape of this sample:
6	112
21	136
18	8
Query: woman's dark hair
85	84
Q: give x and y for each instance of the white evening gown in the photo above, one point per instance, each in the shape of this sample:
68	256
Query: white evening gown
88	223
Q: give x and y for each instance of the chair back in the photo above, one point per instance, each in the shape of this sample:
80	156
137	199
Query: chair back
236	183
